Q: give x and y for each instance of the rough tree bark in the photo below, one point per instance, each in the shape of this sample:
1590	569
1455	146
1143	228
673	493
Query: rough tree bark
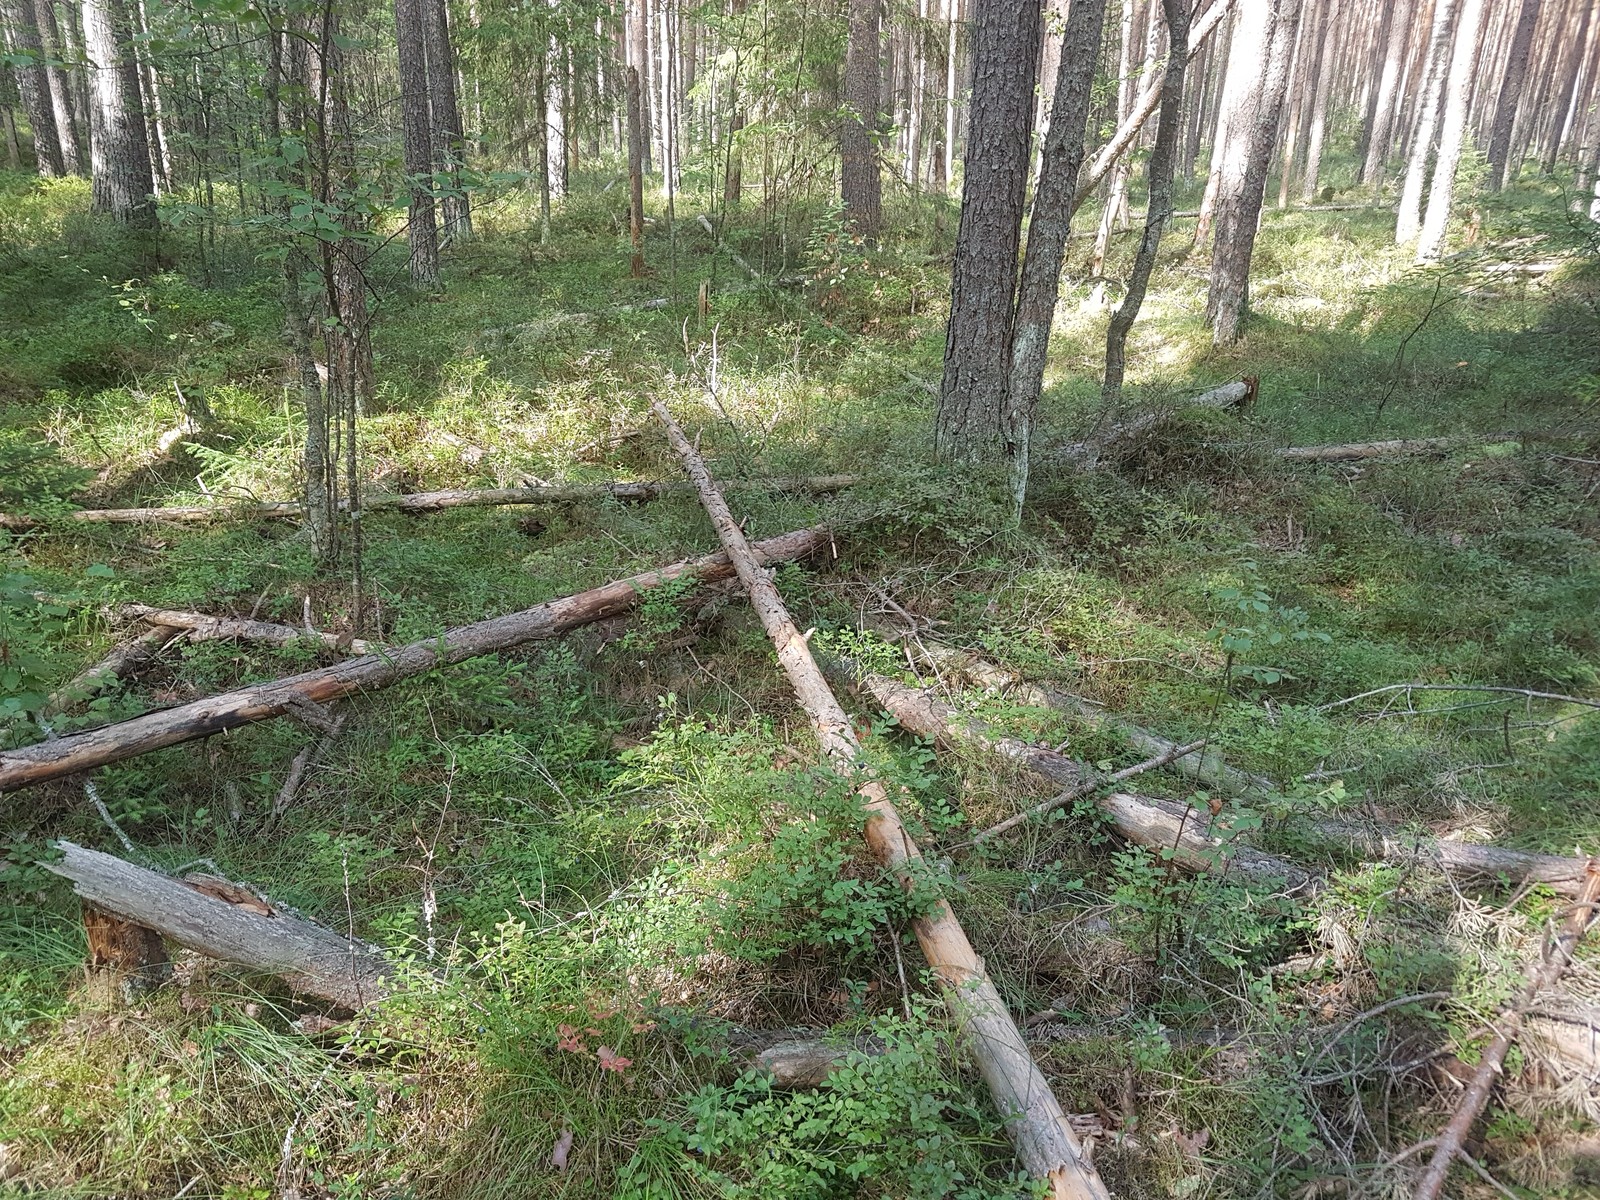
1328	35
123	184
1048	227
1381	136
1045	1143
1228	299
67	133
1452	133
304	694
416	122
860	180
1510	93
1408	220
971	422
34	88
1241	97
449	144
1163	162
635	174
1566	88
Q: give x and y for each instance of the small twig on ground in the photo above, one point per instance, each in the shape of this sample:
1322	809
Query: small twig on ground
1086	789
1529	693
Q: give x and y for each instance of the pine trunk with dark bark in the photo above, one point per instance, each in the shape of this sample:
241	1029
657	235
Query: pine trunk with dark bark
860	180
449	142
33	87
416	122
123	183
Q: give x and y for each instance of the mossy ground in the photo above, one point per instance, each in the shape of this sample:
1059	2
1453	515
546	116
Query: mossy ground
609	840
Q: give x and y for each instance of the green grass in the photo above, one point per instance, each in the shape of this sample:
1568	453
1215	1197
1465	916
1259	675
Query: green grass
621	832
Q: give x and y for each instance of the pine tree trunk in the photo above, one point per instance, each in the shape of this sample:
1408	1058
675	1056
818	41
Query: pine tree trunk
977	356
1239	205
635	173
1452	133
541	109
67	133
639	60
1408	220
952	14
416	126
34	88
155	109
1381	137
1566	89
120	153
1049	224
444	112
860	180
1241	96
1161	169
912	173
1327	35
1300	68
555	119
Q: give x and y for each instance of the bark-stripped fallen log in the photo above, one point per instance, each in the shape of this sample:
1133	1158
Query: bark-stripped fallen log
309	957
1045	1142
1396	448
1159	825
1542	974
1088	454
204	628
308	692
918	710
555	493
1207	768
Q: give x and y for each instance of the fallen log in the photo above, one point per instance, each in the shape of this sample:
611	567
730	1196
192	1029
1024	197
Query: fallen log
1396	448
1087	455
1545	972
1459	860
1207	768
306	693
1044	1140
200	916
555	493
1177	830
204	628
121	660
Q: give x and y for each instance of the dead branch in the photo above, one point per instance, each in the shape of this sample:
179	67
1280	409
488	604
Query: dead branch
559	493
202	628
1544	973
263	701
227	925
1397	448
1527	693
1035	1120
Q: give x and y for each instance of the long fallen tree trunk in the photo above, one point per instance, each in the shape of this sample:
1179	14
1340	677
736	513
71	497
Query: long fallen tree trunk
1396	448
559	493
310	958
202	627
307	692
1045	1142
1151	822
1544	973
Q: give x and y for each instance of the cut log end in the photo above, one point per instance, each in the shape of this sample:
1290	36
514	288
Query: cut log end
132	952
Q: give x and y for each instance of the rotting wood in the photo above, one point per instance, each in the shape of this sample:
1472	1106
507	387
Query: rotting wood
1396	448
1546	972
308	957
1044	1140
554	493
127	949
306	694
1089	453
120	661
918	710
202	627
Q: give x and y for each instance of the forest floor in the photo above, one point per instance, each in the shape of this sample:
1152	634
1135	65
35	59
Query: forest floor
594	857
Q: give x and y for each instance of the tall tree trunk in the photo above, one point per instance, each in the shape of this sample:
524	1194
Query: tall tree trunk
1452	133
67	132
416	121
120	153
444	113
977	353
1239	206
1162	163
33	85
912	172
1408	221
860	180
1117	194
1302	67
555	118
541	110
1566	88
1381	136
1241	96
635	173
1049	223
8	118
1327	37
952	16
639	59
155	109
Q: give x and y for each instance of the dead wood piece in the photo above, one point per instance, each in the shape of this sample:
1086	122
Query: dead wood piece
1159	825
1092	452
1541	974
309	957
1396	448
200	718
120	661
556	493
1044	1140
202	628
1461	860
129	949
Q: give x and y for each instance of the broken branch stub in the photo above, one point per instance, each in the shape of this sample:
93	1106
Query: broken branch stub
1044	1140
75	752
